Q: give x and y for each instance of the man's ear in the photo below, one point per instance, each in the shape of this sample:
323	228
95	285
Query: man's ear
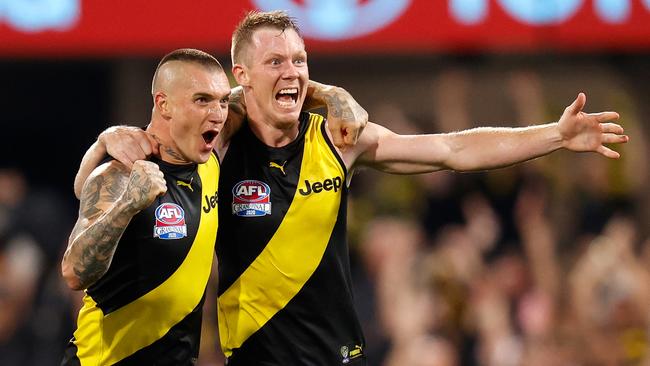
241	74
162	105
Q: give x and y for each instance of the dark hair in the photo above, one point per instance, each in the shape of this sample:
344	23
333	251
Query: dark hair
188	55
255	20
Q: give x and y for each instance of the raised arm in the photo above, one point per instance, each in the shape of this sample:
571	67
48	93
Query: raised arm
112	195
486	147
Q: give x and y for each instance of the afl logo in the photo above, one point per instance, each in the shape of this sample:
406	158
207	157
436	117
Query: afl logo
170	222
251	198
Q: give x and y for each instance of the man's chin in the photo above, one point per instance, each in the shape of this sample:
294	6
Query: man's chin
287	119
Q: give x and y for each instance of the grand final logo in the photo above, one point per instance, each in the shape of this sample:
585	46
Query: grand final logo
339	19
251	198
170	222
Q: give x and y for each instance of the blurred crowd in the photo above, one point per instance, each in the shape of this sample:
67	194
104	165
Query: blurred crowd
546	263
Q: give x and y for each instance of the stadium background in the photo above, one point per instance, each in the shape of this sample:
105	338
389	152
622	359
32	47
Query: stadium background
542	264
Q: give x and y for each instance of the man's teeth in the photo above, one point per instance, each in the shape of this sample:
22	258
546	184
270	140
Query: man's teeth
287	97
289	103
288	91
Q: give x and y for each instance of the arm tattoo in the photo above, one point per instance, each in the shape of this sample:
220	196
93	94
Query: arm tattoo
338	107
143	187
99	229
90	197
96	258
333	105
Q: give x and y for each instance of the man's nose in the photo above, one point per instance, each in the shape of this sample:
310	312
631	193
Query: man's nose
217	113
290	71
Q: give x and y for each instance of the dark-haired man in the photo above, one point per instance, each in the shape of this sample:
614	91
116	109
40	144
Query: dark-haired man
145	233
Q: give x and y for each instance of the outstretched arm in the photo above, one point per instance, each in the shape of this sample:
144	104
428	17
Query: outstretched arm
112	195
486	147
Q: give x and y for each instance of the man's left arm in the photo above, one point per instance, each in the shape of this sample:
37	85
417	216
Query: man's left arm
486	147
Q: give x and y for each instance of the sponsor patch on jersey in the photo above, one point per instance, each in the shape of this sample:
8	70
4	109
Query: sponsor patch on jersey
251	198
170	222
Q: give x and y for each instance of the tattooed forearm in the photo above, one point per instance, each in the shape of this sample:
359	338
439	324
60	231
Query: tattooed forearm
141	188
334	105
103	216
339	102
90	197
97	250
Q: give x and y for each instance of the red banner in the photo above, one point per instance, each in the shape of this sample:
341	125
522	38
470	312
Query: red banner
71	28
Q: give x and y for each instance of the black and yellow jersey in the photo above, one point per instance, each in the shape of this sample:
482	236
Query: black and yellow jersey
285	291
146	310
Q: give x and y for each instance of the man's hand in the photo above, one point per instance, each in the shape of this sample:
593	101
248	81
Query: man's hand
346	119
582	131
127	144
146	182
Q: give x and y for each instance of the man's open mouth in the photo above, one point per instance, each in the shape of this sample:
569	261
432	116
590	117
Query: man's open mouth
287	97
209	136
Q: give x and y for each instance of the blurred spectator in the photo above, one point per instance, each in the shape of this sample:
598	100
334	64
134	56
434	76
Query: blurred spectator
36	307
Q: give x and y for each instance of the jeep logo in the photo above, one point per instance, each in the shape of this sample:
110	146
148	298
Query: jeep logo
211	202
328	184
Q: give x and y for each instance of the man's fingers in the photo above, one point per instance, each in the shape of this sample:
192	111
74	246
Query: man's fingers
124	159
351	138
148	145
337	133
611	128
606	116
607	152
153	144
338	139
578	104
611	138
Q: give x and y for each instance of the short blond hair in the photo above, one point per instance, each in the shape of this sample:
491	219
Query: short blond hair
254	20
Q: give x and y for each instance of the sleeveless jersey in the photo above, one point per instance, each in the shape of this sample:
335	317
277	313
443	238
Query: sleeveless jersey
285	289
146	310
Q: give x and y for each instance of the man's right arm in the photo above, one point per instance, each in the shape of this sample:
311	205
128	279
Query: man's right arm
112	195
125	144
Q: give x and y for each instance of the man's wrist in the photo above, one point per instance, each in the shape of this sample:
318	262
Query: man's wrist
555	136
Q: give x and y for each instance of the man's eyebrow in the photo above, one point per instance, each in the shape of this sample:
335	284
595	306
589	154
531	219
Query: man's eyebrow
273	54
203	94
